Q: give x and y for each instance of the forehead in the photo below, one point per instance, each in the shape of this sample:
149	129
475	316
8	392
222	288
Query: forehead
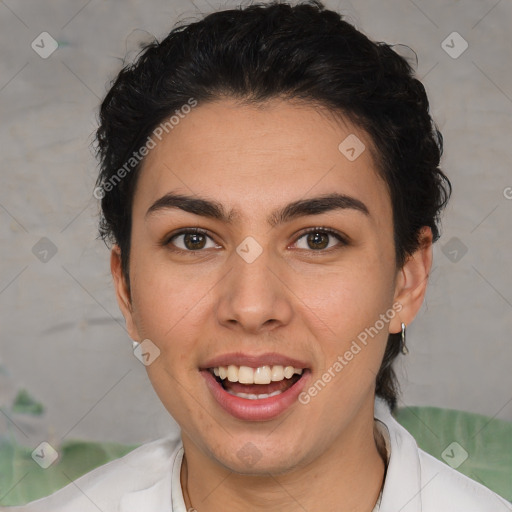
253	157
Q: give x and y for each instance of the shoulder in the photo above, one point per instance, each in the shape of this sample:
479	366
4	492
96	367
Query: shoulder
104	487
446	488
416	480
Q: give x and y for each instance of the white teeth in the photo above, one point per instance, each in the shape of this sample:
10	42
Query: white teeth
289	371
277	373
232	373
245	375
252	396
260	375
263	375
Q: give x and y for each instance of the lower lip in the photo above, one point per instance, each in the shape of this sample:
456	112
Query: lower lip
254	410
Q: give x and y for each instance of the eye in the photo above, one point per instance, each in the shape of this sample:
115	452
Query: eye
195	239
190	240
317	239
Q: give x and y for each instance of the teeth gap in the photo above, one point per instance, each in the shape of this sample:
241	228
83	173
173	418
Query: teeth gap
218	379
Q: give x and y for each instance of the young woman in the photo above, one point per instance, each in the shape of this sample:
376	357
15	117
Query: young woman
270	184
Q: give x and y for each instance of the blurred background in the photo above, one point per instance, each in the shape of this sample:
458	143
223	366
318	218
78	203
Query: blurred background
62	337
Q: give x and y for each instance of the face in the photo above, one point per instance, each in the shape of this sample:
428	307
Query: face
263	285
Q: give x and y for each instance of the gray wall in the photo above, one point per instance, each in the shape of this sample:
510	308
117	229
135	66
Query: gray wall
62	335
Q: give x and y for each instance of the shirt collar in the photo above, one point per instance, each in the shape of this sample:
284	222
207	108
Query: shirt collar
178	502
154	497
402	487
401	491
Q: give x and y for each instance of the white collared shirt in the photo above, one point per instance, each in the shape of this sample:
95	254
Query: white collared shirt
148	480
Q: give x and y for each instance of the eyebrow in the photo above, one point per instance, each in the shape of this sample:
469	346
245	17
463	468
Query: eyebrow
299	208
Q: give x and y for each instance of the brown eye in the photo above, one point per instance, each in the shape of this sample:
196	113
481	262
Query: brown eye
318	239
190	240
194	241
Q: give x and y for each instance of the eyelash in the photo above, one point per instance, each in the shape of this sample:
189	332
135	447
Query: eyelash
168	240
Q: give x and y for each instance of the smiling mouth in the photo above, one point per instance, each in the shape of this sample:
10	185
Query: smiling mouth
256	383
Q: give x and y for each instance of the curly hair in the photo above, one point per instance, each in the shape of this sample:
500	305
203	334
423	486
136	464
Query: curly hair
302	53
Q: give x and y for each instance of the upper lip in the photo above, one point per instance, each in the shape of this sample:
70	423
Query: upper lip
253	361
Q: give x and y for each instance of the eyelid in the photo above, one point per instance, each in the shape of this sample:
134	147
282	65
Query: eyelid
181	231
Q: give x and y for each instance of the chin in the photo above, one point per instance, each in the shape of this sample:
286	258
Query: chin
258	458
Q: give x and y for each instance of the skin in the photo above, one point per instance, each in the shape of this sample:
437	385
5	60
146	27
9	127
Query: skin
294	299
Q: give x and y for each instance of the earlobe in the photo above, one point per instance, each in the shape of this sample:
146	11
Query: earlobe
412	281
122	292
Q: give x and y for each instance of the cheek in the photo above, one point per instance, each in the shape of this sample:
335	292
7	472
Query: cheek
166	298
345	308
166	304
350	296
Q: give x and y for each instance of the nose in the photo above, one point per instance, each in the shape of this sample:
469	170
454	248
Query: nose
254	296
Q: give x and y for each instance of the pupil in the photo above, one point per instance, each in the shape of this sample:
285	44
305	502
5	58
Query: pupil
193	239
315	239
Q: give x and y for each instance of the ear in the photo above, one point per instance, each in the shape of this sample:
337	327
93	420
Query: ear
412	280
123	292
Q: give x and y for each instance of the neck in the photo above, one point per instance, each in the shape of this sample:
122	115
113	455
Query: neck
347	477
